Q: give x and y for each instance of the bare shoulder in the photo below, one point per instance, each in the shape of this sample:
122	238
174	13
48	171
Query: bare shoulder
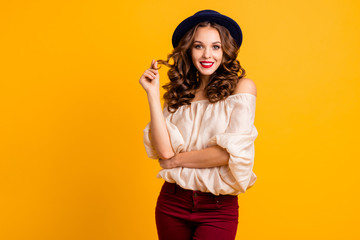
246	85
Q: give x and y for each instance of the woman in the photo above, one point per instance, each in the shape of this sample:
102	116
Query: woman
204	136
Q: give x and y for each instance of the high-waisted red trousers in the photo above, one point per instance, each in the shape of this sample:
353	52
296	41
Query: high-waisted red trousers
183	214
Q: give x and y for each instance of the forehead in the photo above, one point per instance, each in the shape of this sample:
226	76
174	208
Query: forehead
207	34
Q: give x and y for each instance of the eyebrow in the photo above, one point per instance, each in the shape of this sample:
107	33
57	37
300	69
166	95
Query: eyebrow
213	42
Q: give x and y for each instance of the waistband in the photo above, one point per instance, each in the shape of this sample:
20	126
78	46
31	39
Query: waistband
174	188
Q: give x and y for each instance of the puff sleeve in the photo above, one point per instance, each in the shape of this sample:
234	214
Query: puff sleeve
150	150
176	139
238	139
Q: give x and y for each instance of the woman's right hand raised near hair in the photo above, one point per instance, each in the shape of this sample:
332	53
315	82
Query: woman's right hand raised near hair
150	80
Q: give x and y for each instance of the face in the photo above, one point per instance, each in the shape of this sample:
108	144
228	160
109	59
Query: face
206	51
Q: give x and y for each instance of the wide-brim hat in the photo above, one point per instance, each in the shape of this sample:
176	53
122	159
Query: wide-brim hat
207	15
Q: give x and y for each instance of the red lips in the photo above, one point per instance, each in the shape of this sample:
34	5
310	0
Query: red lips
208	65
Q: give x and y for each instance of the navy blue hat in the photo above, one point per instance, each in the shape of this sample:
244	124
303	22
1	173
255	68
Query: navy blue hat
207	15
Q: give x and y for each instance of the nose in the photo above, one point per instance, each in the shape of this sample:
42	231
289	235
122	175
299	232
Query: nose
207	53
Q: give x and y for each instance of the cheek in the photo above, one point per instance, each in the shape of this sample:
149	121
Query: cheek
194	55
219	59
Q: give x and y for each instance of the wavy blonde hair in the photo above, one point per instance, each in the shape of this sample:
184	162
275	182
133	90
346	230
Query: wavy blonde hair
184	77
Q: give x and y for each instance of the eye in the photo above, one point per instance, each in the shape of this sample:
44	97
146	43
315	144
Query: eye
196	46
218	47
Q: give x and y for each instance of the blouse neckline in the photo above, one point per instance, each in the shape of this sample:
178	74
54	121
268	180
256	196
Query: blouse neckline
231	96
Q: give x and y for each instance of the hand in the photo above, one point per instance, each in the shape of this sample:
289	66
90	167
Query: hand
169	163
150	80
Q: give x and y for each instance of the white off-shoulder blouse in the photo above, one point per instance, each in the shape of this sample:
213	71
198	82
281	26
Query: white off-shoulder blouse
228	123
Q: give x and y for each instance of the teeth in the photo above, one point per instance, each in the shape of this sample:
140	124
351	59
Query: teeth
206	64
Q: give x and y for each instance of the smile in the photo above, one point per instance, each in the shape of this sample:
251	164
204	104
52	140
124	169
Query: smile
206	64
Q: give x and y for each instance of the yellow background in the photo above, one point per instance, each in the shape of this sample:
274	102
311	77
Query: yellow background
72	160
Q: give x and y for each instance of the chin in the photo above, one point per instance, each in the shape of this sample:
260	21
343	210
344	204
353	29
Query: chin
206	72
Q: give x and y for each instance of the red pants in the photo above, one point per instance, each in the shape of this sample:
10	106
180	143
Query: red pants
183	214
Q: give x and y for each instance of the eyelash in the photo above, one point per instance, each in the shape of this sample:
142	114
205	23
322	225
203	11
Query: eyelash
214	46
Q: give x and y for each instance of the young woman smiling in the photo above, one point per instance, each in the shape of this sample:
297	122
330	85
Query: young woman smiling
204	136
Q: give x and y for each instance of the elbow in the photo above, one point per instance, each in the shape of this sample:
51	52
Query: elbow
225	155
166	155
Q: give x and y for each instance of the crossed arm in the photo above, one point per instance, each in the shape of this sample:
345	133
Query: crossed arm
208	157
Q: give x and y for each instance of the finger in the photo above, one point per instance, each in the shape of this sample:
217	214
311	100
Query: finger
152	63
148	75
155	66
151	73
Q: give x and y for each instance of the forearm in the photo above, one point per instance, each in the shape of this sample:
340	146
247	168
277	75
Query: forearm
159	134
208	157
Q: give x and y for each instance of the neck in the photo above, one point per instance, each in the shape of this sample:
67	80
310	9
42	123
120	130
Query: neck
204	80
